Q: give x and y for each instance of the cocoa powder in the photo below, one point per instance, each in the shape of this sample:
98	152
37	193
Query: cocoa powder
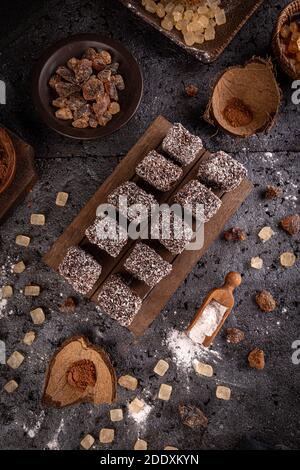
237	113
81	374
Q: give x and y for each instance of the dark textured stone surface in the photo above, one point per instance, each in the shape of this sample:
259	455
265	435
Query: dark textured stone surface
265	404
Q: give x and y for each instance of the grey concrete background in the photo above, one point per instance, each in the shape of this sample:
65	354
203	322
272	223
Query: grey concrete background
265	404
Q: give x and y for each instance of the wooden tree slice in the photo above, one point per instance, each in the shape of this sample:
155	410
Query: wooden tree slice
79	372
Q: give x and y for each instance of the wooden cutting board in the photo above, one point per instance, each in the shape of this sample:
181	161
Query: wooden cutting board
237	12
24	179
156	298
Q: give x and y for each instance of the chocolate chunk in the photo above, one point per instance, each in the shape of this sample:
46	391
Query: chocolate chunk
234	335
181	144
118	301
80	269
194	193
222	172
235	234
147	265
158	171
192	416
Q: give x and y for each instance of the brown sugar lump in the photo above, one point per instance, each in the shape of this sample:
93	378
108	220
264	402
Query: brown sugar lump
256	359
134	195
108	235
180	144
158	171
147	265
80	269
195	194
106	436
222	172
15	360
118	301
11	386
172	231
128	382
87	442
266	301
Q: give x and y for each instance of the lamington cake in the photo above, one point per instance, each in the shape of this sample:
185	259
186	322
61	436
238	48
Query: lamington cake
194	193
108	235
135	195
147	265
118	301
180	144
80	269
172	231
158	171
221	171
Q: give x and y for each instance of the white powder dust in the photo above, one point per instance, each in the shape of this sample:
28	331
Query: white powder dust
208	322
54	444
184	350
141	418
32	432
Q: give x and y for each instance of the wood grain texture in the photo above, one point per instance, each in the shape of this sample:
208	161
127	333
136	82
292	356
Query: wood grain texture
24	179
154	299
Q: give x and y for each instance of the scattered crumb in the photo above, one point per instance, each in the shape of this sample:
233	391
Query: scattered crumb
256	359
273	192
265	301
192	416
235	234
234	335
291	224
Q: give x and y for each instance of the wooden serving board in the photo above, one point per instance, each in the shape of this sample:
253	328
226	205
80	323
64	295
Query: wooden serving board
24	179
156	298
237	12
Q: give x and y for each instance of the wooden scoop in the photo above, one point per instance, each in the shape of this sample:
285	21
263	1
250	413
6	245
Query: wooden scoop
224	296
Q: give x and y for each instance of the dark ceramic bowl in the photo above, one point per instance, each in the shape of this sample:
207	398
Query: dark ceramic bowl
75	46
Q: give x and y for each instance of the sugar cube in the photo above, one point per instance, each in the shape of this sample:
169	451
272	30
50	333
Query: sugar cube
140	445
38	316
29	338
15	360
116	415
106	435
32	291
22	240
7	292
161	367
11	386
19	267
87	442
37	219
61	199
203	369
128	382
223	393
136	406
165	392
